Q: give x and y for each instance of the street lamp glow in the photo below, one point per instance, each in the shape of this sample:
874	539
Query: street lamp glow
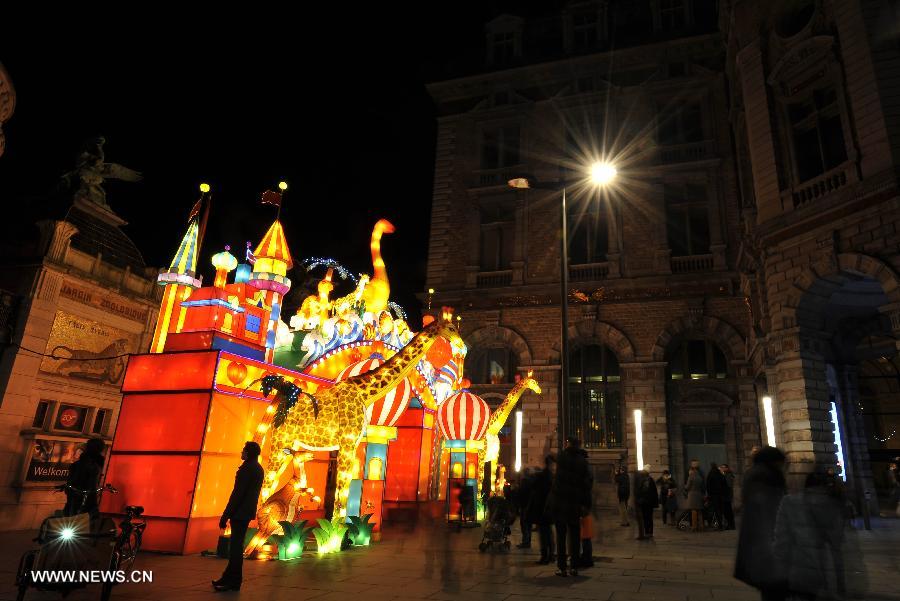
518	462
639	438
602	173
770	420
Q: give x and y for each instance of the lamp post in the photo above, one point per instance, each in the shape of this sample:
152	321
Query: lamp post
599	174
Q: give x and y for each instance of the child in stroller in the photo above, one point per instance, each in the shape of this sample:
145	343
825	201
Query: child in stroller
708	516
500	516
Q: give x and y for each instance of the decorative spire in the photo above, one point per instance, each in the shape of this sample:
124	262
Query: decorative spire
183	269
273	259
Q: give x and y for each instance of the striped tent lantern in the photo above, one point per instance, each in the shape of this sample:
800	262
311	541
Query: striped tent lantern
463	416
388	409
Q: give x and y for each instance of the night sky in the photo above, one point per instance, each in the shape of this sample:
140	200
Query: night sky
335	106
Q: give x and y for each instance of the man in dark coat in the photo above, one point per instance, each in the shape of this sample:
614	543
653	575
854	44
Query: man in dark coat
537	508
570	499
84	477
727	503
646	499
762	491
241	508
623	492
716	488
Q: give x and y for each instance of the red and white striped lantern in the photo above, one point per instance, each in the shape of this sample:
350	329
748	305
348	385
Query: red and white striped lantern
388	409
463	416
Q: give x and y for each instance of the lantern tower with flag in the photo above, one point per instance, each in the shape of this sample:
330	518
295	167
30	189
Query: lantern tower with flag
181	277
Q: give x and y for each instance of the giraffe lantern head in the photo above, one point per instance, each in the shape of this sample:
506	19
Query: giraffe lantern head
530	383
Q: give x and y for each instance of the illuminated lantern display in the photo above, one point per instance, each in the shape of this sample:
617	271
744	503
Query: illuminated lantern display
346	388
463	420
367	491
179	279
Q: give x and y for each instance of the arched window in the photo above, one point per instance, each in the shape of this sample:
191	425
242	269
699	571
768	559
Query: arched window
493	365
595	397
697	360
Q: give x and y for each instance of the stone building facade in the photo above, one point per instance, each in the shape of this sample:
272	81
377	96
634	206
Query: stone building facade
77	299
688	271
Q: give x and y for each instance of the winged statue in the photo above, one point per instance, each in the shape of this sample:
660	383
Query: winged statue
91	171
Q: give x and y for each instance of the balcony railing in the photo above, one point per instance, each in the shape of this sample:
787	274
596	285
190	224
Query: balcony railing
685	153
692	263
493	279
588	272
496	177
818	187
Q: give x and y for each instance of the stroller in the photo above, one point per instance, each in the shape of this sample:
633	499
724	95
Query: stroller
707	514
500	516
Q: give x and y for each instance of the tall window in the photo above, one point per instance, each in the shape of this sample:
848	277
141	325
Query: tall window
588	232
585	30
500	147
495	365
595	397
503	47
671	14
682	126
697	360
818	133
497	237
687	219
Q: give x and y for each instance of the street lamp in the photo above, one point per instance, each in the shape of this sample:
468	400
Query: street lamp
600	174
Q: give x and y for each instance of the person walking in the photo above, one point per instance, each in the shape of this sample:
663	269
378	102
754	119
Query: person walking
623	492
728	499
521	499
809	541
537	508
646	499
693	493
241	508
84	475
715	489
763	488
570	499
668	501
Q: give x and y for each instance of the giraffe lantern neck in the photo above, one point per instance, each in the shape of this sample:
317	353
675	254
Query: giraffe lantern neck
375	384
500	415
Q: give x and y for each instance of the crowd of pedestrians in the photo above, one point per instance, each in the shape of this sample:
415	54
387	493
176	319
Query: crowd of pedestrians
793	546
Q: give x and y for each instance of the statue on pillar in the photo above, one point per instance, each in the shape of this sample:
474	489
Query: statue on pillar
91	171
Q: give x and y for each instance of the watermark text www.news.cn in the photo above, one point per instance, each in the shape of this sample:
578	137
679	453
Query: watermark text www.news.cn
91	576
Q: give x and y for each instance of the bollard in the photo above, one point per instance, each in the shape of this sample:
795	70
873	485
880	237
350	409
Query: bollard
865	507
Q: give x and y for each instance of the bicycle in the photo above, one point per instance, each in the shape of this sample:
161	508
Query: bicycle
68	542
128	543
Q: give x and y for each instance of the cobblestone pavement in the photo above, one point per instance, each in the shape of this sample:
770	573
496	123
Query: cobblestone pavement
436	563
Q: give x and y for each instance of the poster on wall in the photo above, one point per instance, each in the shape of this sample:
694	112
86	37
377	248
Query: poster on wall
88	350
52	459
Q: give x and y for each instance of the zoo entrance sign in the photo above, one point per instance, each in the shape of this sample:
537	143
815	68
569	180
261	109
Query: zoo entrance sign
105	302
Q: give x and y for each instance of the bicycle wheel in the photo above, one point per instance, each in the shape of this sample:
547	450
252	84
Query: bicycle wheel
129	550
106	589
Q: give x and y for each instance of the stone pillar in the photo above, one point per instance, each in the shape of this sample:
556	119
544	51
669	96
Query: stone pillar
801	398
644	388
760	141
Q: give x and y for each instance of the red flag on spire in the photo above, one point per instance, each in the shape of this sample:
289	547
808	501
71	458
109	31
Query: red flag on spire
271	198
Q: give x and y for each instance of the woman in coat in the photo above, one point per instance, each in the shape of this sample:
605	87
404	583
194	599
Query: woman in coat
693	492
761	493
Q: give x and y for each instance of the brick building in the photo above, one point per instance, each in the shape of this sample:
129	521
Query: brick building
692	276
75	299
